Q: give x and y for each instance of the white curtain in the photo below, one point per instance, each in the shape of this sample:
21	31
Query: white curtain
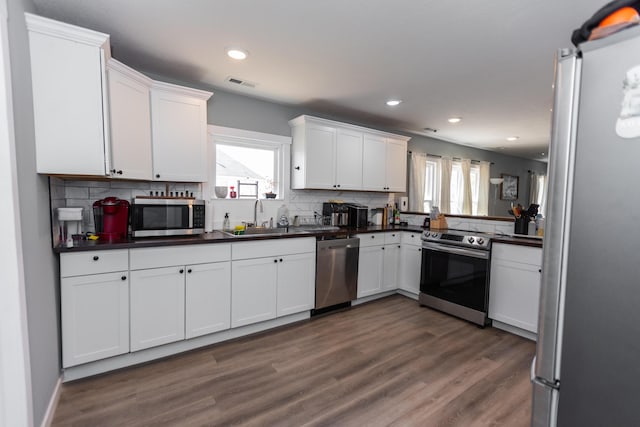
445	184
467	201
483	194
418	167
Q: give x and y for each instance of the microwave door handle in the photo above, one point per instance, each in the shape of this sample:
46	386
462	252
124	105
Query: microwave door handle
190	216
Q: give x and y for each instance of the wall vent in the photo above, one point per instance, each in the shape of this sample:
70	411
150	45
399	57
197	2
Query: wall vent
240	82
430	130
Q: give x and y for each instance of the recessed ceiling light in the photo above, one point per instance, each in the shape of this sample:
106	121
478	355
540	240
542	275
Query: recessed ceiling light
238	54
393	102
513	138
542	154
454	119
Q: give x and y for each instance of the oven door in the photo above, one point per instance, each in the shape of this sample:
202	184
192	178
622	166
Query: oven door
455	274
161	218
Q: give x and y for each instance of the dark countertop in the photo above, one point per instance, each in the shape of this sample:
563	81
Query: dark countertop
220	237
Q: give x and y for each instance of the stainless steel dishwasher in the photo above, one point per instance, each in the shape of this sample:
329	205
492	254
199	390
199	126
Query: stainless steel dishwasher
336	271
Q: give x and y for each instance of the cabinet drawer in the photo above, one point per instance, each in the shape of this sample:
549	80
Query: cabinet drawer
517	253
265	248
179	255
371	239
411	238
392	237
93	262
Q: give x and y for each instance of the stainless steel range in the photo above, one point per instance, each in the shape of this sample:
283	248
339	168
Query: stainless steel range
455	273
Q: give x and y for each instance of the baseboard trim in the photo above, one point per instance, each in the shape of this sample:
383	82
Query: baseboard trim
514	330
53	404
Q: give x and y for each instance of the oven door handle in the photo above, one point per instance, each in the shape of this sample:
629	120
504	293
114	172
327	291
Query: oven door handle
456	250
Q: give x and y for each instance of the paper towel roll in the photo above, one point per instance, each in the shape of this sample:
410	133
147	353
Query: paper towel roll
208	217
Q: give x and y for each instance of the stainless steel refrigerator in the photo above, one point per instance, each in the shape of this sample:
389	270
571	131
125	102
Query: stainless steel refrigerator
586	371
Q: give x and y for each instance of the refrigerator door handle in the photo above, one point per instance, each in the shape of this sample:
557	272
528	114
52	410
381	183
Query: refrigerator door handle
541	381
555	248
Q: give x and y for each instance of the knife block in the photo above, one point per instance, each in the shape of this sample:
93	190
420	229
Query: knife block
438	223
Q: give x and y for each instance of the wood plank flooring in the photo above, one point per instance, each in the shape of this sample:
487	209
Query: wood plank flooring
386	363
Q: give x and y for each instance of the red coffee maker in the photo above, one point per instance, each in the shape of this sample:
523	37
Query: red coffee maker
111	217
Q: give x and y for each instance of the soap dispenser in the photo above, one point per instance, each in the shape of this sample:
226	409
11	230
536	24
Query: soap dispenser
225	223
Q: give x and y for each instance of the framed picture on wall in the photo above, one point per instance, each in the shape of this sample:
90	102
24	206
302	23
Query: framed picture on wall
509	187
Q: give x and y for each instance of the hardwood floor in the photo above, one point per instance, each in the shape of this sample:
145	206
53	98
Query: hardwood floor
386	363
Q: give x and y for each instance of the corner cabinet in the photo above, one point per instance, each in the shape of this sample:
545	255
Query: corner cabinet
69	97
331	155
179	133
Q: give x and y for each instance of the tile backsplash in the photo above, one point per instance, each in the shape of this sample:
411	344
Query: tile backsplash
82	193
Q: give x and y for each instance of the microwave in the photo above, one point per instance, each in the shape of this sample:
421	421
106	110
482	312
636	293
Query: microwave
166	217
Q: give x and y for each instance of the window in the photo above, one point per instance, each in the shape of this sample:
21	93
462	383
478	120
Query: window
256	160
432	187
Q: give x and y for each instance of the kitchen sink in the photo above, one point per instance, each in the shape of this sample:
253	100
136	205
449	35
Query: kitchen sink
262	231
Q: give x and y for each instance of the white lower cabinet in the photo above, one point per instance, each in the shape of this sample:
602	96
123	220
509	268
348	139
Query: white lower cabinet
207	299
271	279
370	271
514	290
253	290
410	263
157	307
378	263
94	303
390	267
172	299
296	284
95	317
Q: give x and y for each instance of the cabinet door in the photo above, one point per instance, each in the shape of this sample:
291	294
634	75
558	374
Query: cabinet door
130	121
514	294
95	317
296	283
179	133
370	267
320	156
349	159
157	307
67	81
374	163
390	268
207	298
253	290
410	266
396	165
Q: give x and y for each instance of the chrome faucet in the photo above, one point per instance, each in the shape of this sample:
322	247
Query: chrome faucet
255	212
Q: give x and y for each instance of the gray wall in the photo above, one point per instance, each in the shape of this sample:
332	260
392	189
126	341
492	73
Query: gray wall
232	110
40	263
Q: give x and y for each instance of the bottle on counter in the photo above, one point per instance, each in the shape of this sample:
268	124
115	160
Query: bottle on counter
232	192
396	215
531	227
225	223
541	227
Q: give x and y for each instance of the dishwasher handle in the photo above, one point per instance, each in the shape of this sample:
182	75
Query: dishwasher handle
349	243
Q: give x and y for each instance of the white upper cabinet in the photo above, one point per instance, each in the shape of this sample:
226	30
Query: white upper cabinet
349	159
130	119
384	164
68	79
338	156
179	133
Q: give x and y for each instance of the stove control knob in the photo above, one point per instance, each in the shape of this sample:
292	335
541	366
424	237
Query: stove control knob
481	241
471	239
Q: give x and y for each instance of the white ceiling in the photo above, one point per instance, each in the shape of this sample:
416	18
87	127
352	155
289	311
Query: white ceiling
489	62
